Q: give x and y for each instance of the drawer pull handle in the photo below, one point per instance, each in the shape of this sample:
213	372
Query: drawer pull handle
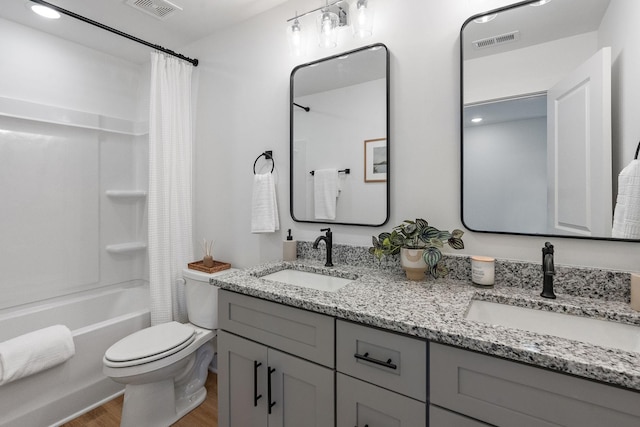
271	371
366	358
256	396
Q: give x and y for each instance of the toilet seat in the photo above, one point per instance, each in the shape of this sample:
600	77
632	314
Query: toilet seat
150	344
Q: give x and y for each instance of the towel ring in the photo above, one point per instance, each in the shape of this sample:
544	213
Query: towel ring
267	155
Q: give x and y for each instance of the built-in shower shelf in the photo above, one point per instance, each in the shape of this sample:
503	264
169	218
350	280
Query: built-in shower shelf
122	248
126	194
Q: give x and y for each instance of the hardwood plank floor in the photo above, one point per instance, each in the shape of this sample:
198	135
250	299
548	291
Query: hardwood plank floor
108	415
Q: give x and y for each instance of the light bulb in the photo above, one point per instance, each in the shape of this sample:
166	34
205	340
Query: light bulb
45	11
296	38
362	13
327	29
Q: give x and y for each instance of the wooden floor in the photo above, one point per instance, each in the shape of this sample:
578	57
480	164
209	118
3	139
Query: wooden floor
108	415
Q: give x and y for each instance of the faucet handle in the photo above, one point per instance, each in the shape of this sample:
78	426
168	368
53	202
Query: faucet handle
328	230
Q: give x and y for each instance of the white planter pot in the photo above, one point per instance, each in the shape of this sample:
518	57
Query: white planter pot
412	263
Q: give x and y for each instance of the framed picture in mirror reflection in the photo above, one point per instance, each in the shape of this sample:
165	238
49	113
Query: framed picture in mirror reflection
375	160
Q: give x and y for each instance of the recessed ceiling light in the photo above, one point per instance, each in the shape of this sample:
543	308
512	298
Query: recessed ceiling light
486	18
476	120
45	11
539	3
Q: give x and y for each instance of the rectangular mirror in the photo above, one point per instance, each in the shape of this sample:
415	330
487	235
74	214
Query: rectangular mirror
339	147
548	118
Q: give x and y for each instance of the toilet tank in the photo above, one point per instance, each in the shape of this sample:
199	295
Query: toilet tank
201	298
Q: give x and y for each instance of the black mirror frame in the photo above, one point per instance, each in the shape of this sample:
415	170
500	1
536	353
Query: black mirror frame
461	118
388	134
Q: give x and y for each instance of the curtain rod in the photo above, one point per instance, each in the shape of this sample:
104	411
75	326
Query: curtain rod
113	30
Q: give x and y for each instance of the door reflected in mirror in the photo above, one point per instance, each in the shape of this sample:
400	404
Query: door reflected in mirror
339	145
548	96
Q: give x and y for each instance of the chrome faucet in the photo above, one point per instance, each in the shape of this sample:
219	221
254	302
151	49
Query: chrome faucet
548	270
328	240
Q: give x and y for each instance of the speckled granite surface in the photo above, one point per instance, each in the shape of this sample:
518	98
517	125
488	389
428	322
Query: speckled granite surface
381	296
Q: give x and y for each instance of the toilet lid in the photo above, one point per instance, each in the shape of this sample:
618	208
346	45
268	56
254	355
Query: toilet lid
151	343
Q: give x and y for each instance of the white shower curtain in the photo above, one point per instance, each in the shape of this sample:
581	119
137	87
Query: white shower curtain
170	165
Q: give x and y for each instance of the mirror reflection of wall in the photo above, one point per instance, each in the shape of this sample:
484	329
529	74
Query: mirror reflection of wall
337	104
563	180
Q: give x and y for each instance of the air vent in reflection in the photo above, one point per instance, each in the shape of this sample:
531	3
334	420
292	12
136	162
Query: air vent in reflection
497	40
160	9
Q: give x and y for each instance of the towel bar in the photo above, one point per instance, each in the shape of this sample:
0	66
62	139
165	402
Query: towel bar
267	155
345	171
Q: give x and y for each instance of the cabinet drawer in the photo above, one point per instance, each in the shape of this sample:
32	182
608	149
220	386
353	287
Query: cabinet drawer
390	360
303	333
362	404
439	417
507	393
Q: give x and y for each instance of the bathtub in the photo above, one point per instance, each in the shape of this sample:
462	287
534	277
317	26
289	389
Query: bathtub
97	320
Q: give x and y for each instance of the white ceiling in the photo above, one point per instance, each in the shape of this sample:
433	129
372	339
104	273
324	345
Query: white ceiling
198	19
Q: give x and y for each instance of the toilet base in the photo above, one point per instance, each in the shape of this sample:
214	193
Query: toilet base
162	403
146	405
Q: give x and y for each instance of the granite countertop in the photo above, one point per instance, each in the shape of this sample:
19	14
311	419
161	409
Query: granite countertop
435	310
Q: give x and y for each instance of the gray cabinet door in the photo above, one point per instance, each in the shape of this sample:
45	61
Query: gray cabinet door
237	392
360	404
302	393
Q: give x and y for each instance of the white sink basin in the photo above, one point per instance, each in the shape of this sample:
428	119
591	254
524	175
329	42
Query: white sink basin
594	331
305	279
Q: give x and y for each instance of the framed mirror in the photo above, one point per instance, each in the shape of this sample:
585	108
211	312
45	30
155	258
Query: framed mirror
339	140
549	119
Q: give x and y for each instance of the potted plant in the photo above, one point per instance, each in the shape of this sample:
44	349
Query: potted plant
419	246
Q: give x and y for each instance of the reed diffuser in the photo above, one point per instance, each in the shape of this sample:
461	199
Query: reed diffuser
207	248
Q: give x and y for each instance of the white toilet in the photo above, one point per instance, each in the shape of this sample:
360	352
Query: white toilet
164	367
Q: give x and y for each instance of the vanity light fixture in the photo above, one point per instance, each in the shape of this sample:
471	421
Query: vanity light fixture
362	16
297	43
486	18
327	28
45	11
333	16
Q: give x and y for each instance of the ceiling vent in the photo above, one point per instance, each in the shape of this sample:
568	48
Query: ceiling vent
159	9
497	40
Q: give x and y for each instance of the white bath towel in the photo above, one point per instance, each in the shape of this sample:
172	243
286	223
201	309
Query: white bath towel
36	351
626	216
264	205
325	193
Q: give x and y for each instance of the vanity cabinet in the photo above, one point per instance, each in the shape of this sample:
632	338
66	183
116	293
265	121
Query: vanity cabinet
381	379
506	393
275	365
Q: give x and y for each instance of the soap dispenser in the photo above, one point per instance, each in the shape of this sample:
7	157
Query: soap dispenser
289	248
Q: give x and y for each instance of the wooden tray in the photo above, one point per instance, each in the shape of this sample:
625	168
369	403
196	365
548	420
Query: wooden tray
217	266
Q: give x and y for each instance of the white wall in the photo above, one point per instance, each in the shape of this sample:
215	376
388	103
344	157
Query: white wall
243	109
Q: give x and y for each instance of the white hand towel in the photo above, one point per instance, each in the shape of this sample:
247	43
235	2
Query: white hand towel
626	216
325	193
264	206
34	352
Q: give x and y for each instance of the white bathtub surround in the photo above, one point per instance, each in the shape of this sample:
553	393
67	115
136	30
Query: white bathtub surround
170	171
34	352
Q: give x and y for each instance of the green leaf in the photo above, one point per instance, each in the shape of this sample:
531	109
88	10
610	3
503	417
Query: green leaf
439	270
457	233
421	223
432	256
436	243
444	235
383	236
375	242
456	243
429	233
